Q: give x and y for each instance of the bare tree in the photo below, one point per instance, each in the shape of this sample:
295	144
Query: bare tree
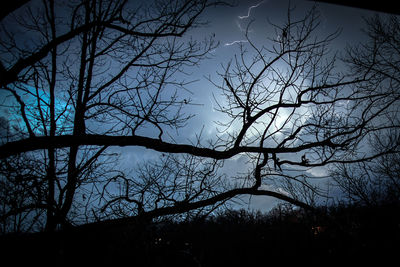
289	100
171	182
376	181
88	63
288	104
290	109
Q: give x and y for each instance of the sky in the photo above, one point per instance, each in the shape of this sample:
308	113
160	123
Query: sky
228	24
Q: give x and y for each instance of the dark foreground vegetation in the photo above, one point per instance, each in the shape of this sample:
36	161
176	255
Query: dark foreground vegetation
341	234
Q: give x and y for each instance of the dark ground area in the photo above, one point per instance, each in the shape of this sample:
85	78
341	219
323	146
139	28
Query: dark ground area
342	235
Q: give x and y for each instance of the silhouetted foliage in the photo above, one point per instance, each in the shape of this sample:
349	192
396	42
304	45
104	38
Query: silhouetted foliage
352	234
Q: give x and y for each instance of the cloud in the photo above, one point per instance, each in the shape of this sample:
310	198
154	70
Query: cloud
249	10
318	172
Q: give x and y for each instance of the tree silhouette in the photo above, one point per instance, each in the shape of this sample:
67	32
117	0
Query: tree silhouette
376	182
87	64
100	74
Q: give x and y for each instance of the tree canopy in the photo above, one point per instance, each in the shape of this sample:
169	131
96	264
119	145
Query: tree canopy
81	77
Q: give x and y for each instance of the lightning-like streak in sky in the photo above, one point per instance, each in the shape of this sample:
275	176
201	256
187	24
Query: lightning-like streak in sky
236	42
249	10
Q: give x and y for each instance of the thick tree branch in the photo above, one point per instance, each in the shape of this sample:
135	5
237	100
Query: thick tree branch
185	207
43	142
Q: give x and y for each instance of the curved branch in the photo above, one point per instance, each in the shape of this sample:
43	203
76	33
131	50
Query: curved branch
186	206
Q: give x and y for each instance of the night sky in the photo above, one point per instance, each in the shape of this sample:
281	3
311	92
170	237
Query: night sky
229	26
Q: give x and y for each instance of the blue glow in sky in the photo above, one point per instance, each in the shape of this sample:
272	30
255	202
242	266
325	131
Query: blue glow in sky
37	110
229	26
